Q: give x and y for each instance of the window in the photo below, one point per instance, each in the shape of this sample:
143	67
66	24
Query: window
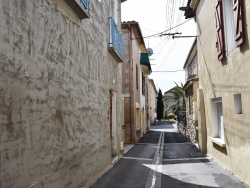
229	26
237	104
228	23
190	100
189	104
143	84
137	78
217	121
114	10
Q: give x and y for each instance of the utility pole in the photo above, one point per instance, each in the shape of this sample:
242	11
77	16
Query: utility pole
170	34
173	35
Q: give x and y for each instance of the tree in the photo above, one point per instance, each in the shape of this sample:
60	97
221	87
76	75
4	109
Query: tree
160	106
177	97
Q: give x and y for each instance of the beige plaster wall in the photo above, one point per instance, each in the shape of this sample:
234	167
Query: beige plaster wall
126	87
132	58
224	79
137	100
56	74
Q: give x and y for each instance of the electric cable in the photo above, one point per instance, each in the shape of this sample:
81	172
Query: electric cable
170	71
167	55
167	29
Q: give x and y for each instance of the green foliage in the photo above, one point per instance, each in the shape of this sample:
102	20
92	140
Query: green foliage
171	116
178	98
160	105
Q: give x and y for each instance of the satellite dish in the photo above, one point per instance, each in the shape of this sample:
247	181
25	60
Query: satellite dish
150	51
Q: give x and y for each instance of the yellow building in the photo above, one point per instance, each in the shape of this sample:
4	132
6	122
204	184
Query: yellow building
135	71
224	81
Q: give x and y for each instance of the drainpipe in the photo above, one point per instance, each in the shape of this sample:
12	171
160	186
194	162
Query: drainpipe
132	129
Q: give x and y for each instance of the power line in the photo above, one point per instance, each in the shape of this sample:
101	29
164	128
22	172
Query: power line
171	34
179	15
161	33
167	55
170	71
183	36
164	42
167	38
168	29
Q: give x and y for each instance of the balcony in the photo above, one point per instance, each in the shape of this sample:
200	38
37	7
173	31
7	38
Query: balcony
85	3
115	41
145	64
80	7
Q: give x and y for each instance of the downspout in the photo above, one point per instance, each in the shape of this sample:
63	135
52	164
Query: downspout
132	130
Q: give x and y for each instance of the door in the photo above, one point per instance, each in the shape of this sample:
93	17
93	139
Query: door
110	120
113	138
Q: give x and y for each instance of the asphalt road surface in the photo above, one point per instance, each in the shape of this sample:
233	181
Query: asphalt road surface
165	159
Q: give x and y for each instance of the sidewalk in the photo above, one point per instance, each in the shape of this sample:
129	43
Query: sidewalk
127	147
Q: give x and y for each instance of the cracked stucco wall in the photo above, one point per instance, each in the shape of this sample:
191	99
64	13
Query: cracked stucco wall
56	74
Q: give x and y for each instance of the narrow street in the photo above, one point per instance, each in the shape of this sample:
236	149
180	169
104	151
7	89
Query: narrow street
164	158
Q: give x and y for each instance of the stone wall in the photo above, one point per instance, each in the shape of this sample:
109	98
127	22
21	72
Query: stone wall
56	75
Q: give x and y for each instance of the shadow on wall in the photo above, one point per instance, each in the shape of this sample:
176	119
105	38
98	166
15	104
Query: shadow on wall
220	149
245	46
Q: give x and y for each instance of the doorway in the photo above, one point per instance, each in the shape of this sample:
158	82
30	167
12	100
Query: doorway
112	118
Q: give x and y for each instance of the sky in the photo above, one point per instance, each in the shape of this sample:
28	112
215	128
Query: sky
155	17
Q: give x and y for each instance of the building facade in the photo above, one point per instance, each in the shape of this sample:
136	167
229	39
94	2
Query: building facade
224	84
60	96
190	89
135	69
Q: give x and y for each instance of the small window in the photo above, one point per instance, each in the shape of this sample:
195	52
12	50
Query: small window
217	118
237	104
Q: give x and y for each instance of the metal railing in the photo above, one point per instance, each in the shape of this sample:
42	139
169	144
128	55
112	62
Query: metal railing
85	3
115	38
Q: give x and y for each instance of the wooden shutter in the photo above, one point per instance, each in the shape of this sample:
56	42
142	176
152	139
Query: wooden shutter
238	22
219	30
